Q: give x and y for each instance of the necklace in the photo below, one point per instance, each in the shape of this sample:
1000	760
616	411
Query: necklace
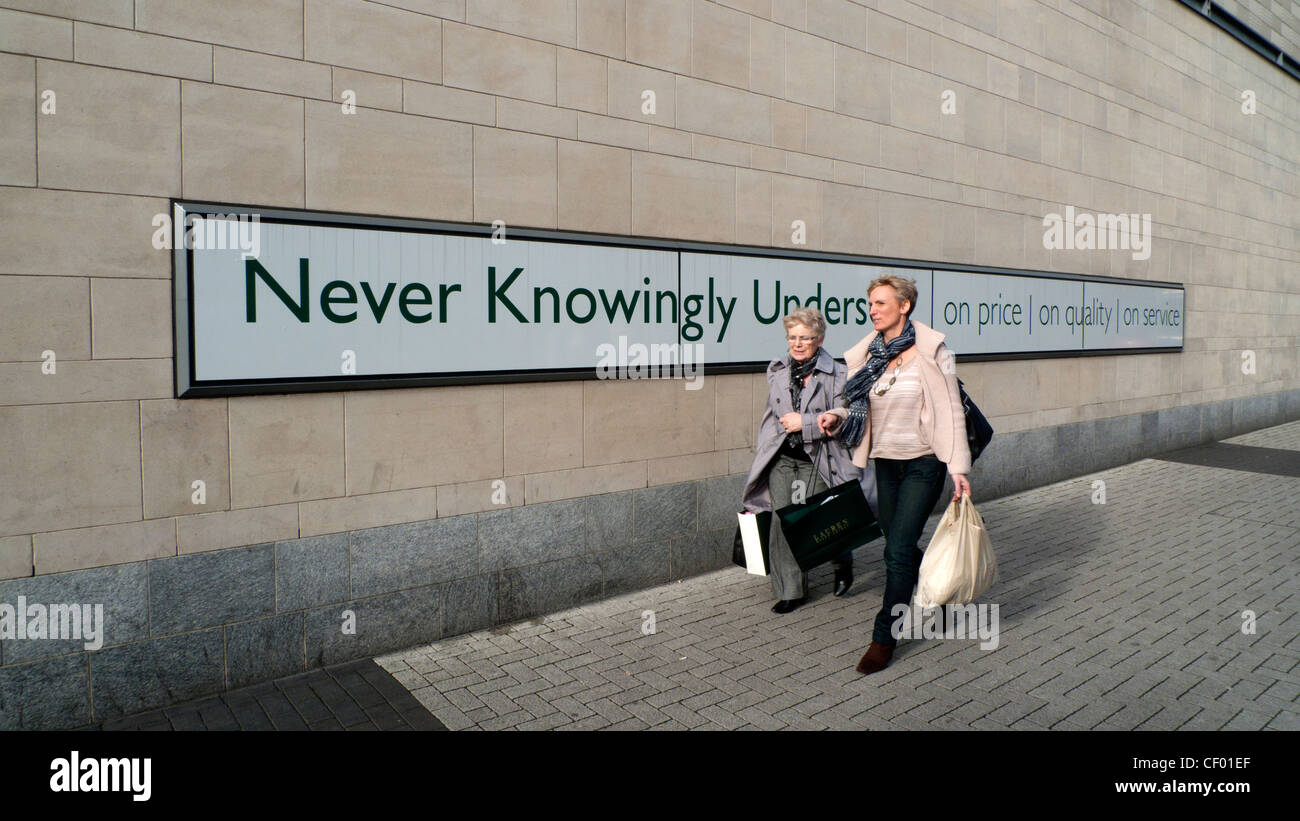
878	390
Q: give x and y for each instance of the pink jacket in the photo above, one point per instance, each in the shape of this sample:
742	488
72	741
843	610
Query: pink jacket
943	420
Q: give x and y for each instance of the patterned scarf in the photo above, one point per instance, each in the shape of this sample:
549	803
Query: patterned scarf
857	392
798	371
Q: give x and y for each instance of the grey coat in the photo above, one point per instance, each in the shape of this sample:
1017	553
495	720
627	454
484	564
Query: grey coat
825	390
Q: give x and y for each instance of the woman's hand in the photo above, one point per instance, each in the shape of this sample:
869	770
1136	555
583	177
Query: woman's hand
792	422
960	486
827	423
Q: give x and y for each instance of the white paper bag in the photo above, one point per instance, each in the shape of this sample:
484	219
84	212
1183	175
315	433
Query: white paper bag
753	545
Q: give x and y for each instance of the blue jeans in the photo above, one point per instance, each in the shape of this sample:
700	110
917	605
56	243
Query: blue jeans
907	491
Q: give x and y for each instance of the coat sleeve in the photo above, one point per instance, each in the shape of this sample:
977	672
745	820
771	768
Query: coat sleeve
755	496
855	359
960	462
837	379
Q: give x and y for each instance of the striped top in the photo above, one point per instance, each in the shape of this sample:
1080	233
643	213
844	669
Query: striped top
896	416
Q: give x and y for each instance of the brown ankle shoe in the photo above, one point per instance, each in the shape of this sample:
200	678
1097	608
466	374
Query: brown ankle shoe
876	658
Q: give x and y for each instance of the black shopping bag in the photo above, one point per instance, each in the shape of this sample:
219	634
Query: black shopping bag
978	430
827	524
764	521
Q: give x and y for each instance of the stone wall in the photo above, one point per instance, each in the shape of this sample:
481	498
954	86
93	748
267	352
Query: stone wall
767	111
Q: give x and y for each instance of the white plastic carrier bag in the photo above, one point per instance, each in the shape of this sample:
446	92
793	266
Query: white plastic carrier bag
959	565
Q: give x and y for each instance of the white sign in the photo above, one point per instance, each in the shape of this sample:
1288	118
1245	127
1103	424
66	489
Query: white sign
994	313
309	301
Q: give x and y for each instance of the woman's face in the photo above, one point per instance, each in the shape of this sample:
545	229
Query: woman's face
887	310
803	342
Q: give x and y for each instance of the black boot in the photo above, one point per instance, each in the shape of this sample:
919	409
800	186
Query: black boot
843	580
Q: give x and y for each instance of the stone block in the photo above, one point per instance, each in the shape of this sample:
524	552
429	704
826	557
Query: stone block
413	555
242	146
545	588
69	466
469	605
146	53
568	484
448	103
380	162
258	651
401	439
583	206
130	318
70	233
720	502
270	26
311	572
373	37
553	21
601	27
115	131
496	63
515	178
368	510
44	313
15	558
35	34
18	130
121	591
701	552
639	566
285	448
247	69
722	111
719	44
214	531
658	33
191	592
665	512
382	624
608	521
531	534
92	547
157	673
53	694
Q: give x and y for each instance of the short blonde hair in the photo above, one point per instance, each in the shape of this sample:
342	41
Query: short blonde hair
903	288
809	317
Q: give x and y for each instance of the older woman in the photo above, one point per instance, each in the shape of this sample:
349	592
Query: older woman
903	410
800	387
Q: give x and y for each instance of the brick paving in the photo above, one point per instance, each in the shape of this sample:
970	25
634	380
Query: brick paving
1120	615
358	695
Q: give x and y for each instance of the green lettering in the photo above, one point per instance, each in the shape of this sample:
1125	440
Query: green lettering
620	303
404	299
254	269
444	291
500	293
382	308
776	309
538	293
591	300
326	300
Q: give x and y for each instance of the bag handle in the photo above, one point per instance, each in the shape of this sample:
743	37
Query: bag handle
830	466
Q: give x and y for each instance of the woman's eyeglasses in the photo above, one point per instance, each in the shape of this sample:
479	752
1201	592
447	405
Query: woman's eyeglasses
803	339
